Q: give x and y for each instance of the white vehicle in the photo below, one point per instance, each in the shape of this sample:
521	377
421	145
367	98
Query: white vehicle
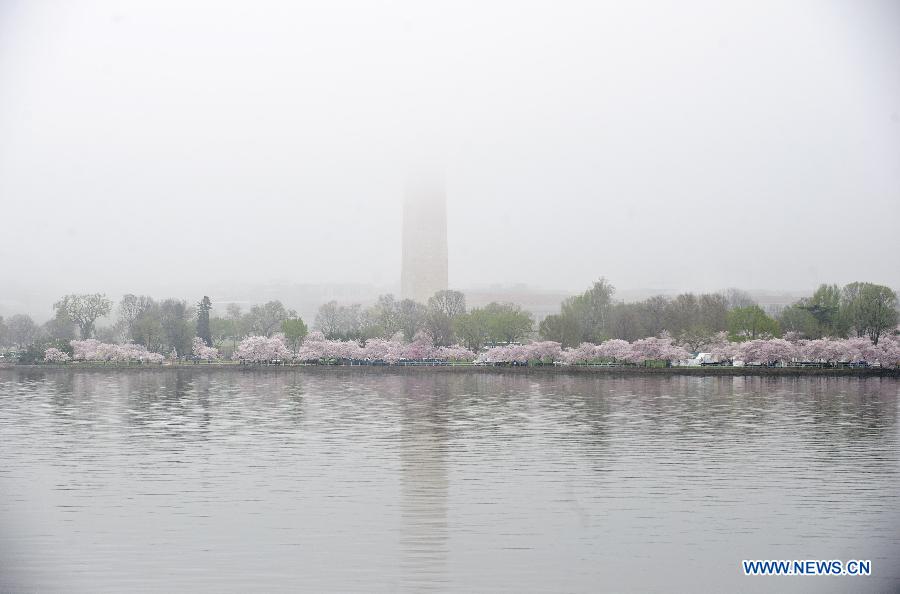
702	359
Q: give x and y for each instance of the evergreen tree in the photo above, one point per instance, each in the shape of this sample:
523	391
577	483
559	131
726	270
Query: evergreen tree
203	320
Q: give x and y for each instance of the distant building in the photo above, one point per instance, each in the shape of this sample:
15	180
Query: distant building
424	270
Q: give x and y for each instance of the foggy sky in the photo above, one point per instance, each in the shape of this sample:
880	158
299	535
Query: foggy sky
148	146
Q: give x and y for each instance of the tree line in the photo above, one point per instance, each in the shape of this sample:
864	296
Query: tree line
169	326
857	309
444	318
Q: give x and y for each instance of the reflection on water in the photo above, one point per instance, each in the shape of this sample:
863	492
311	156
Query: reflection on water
423	482
350	480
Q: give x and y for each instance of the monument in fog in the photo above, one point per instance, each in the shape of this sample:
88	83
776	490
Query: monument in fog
424	270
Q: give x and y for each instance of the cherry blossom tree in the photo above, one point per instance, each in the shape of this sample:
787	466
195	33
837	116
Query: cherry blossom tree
347	350
454	353
386	351
262	349
544	352
316	349
583	353
860	349
85	350
94	350
614	350
201	351
421	347
656	349
313	348
509	354
54	355
888	353
767	351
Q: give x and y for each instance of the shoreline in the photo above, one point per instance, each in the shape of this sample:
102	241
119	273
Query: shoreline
479	369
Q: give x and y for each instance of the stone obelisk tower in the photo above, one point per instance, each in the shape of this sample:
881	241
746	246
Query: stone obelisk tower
424	269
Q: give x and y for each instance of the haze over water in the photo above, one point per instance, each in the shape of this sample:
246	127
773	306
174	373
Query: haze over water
182	148
347	480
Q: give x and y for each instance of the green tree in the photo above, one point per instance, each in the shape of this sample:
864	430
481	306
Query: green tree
869	309
507	322
411	317
382	320
851	313
448	302
582	318
339	322
237	329
562	328
471	329
627	322
751	322
177	330
328	320
591	311
738	298
84	310
227	328
713	312
295	331
60	326
266	319
203	330
220	330
146	327
650	319
21	331
495	323
683	313
825	307
165	326
797	318
131	307
443	308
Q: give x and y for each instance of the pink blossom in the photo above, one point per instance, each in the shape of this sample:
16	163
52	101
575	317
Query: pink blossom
546	351
888	352
614	350
261	349
860	349
313	348
583	353
94	350
421	347
201	351
454	353
54	355
768	351
505	354
656	349
387	351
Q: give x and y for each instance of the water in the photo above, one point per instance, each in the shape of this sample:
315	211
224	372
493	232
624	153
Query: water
372	480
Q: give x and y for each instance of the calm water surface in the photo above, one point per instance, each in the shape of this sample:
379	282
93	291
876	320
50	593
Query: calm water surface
342	480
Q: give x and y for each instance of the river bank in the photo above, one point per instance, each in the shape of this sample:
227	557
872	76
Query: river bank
479	369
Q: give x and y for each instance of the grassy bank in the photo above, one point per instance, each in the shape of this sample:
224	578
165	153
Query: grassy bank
480	369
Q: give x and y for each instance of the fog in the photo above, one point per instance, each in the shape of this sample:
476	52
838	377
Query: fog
167	147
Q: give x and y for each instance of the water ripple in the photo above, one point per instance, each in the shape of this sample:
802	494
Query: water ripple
193	480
